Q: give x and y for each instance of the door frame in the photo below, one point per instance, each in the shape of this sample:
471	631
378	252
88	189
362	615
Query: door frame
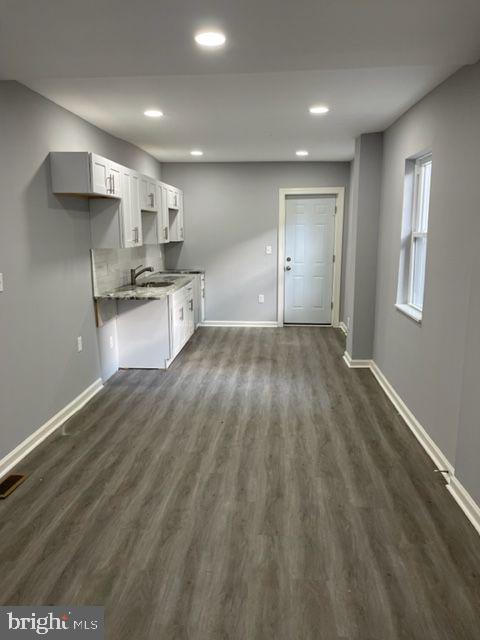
339	193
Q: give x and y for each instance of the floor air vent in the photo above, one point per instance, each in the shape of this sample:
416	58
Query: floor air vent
9	484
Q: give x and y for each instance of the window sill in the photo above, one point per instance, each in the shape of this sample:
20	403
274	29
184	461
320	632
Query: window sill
411	312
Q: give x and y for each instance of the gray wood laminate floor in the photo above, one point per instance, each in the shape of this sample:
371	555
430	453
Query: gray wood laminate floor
259	489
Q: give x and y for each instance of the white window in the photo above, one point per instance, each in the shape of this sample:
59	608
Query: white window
414	235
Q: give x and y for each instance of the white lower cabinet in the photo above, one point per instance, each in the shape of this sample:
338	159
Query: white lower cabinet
143	334
198	298
151	333
182	318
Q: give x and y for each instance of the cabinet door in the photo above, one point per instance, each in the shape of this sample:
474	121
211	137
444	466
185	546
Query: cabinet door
152	195
181	230
172	198
143	186
100	172
135	212
165	214
115	172
126	212
178	326
190	316
147	194
162	213
130	210
177	233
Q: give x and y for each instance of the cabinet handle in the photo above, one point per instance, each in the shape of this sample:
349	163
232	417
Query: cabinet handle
135	235
108	184
191	305
165	233
151	200
181	232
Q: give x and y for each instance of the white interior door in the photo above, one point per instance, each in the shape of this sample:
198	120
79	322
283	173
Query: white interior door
309	247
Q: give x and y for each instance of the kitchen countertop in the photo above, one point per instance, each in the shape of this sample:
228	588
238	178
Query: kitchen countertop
129	292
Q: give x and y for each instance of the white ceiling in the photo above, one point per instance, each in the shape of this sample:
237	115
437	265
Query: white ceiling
109	60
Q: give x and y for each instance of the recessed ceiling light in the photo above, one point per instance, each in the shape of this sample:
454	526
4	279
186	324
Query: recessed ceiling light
196	152
210	39
153	113
301	152
319	109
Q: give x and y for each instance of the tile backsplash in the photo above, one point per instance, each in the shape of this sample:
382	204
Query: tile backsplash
111	267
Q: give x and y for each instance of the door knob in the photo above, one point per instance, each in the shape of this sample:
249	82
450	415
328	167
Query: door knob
288	268
288	259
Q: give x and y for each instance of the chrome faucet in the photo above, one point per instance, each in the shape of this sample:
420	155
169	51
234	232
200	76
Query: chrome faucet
134	273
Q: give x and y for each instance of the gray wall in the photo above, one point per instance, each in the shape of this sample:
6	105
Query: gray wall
44	257
433	365
362	249
231	213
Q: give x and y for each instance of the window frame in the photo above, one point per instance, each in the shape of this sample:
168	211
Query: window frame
416	231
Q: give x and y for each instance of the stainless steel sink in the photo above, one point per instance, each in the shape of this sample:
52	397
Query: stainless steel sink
156	284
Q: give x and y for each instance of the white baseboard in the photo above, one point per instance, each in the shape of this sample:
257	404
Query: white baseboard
25	447
238	323
343	327
356	364
468	505
435	453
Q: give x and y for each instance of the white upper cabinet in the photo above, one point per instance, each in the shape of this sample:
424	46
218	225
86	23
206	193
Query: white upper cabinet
175	213
118	196
116	223
115	179
100	172
162	216
176	229
148	194
131	217
173	197
83	173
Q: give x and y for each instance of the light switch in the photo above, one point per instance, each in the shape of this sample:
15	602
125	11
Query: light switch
1	281
268	249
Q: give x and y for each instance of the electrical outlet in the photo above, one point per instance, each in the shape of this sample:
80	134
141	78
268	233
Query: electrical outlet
79	344
111	342
1	281
261	298
268	249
